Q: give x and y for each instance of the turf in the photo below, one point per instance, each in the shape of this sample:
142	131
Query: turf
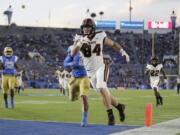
49	105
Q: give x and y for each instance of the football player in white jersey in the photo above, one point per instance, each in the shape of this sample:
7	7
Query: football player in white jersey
90	45
66	76
59	76
154	69
19	82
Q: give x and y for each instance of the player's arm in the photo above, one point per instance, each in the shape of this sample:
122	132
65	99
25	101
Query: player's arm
16	66
76	45
75	50
147	71
163	73
68	61
116	46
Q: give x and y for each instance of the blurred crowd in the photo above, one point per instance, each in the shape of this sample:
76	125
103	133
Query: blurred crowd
51	44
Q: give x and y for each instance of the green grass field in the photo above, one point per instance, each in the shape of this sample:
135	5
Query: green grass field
47	105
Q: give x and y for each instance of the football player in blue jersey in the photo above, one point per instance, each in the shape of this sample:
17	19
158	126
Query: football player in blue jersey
79	84
8	66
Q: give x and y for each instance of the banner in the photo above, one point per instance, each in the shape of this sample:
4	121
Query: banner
131	25
105	24
159	25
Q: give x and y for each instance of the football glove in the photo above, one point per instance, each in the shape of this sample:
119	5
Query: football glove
125	54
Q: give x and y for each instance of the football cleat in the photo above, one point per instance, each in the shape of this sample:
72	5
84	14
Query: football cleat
111	122
121	113
84	123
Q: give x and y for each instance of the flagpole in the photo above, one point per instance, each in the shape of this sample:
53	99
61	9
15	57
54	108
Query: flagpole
153	51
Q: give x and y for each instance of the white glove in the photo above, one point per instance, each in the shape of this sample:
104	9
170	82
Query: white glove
125	54
77	38
79	41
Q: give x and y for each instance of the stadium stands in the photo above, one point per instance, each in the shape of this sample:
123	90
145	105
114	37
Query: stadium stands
51	44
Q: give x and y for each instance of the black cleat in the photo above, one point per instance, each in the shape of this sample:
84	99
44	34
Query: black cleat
121	112
111	122
111	119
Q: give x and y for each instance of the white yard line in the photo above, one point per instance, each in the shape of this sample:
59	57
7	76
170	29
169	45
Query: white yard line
40	102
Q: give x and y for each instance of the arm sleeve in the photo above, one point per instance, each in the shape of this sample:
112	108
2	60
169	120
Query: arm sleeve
16	58
68	61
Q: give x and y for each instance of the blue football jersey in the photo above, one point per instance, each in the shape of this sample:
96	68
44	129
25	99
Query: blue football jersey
75	63
8	64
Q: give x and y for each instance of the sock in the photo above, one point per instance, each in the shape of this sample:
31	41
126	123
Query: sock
5	100
84	119
12	102
12	98
84	116
157	100
110	114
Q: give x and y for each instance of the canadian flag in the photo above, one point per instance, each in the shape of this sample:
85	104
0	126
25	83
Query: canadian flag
159	25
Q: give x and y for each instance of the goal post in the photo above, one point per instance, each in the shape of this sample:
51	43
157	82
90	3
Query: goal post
153	51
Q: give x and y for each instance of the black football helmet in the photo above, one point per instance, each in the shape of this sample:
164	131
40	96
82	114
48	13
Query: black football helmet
88	22
154	60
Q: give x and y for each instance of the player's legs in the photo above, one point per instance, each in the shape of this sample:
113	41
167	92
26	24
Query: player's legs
105	98
20	86
107	103
159	99
101	85
84	92
66	90
114	101
61	87
11	83
154	85
120	107
73	89
84	106
5	89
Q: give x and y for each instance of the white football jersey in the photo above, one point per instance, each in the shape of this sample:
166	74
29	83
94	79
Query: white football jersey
92	52
154	71
19	77
154	74
59	75
66	75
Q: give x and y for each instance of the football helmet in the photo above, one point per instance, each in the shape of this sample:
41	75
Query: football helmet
154	60
8	51
88	22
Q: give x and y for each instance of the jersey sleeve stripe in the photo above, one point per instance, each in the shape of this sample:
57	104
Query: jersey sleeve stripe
106	73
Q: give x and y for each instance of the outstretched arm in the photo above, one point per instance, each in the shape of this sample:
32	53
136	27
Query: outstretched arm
116	46
76	45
